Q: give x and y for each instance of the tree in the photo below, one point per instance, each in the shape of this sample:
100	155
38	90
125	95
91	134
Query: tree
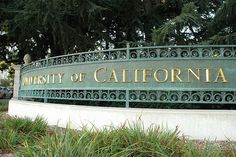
182	29
223	26
60	27
211	22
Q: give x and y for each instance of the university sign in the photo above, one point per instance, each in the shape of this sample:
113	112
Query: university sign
115	77
174	74
102	75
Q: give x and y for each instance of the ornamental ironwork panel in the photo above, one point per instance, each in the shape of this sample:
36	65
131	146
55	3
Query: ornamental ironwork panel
169	74
135	95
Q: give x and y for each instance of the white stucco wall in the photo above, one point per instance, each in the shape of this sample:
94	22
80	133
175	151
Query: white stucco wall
196	124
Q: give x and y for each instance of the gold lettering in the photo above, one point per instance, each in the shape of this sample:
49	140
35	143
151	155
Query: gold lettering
146	72
81	77
39	79
175	74
113	76
136	72
124	76
30	80
60	75
48	78
220	75
35	79
96	75
44	80
53	78
74	77
208	75
196	75
156	75
25	81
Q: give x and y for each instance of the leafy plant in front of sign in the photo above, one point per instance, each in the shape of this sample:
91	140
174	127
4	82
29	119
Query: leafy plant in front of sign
15	131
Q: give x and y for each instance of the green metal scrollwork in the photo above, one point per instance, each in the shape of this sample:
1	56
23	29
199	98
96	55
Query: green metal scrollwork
131	89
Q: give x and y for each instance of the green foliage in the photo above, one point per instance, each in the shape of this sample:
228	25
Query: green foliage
5	83
132	140
3	65
225	16
221	39
223	26
59	25
9	68
9	140
3	106
211	22
27	138
69	26
125	141
35	27
180	28
15	131
36	127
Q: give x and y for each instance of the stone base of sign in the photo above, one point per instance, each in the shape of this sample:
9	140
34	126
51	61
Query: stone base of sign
195	124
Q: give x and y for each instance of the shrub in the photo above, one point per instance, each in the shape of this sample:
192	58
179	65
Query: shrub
121	142
3	107
32	138
15	131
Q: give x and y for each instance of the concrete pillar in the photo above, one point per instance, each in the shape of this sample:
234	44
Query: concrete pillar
16	81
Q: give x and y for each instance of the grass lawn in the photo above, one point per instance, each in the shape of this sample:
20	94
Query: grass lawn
24	137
